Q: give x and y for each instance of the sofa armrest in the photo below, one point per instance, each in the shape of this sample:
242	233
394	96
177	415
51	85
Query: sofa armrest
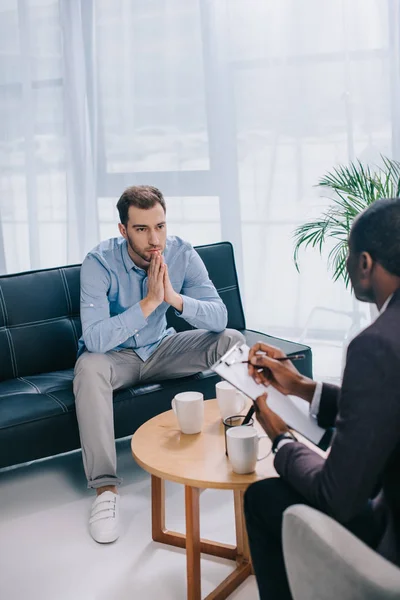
324	561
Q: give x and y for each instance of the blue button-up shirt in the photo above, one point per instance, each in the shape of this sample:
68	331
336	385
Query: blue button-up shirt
112	287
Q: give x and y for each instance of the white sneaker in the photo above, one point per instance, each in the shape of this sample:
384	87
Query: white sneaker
104	518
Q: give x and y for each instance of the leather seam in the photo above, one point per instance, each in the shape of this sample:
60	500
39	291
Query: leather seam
59	402
229	288
13	394
41	322
37	390
27	422
20	393
66	290
74	329
3	307
69	303
12	352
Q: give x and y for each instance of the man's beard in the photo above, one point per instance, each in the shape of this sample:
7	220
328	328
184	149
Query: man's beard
140	253
363	295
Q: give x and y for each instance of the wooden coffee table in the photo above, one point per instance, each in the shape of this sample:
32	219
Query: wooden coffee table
198	462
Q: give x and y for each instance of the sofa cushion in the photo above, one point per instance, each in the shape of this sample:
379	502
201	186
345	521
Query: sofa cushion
27	399
19	409
34	397
36	424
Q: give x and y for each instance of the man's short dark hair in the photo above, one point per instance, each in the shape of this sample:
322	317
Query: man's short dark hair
377	231
141	196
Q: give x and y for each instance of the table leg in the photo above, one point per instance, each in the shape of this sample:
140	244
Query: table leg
195	545
192	509
157	508
243	561
242	542
160	532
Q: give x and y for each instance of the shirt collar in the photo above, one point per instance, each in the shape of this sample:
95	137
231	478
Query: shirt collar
386	304
128	262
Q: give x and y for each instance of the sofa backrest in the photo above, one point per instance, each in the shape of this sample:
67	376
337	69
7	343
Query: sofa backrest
220	263
39	313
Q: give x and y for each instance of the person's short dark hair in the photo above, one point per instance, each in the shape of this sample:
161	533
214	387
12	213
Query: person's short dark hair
141	196
377	231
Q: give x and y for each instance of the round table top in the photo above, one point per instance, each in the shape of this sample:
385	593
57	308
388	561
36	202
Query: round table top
196	460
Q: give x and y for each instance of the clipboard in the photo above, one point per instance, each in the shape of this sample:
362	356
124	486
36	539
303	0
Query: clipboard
293	410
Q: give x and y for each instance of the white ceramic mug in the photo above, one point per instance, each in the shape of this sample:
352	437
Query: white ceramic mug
230	400
242	445
189	409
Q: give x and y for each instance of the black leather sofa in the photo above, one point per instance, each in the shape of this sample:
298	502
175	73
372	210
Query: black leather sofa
39	332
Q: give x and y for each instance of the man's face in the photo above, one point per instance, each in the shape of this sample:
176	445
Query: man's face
359	267
145	232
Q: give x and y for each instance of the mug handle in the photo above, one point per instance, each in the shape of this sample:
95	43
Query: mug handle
266	455
173	405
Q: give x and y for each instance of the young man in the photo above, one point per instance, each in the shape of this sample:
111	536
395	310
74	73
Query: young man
358	484
127	285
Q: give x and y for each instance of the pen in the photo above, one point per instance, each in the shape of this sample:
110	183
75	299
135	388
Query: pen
249	415
280	358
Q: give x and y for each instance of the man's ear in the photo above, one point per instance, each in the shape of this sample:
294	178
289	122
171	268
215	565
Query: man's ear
122	230
366	263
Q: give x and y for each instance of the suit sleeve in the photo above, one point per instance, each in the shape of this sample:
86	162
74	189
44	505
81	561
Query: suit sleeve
367	432
328	406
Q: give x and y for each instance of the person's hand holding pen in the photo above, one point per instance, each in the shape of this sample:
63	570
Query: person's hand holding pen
266	366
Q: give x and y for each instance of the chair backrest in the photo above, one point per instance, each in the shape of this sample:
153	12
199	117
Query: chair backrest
39	313
324	561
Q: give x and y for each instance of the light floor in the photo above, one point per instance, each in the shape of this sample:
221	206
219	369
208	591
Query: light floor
46	552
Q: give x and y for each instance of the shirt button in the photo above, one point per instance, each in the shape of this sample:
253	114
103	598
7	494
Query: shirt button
91	305
137	335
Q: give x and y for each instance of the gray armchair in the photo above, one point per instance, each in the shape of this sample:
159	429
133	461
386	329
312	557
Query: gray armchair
324	561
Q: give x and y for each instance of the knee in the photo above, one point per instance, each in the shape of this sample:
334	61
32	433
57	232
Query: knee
262	498
235	336
252	499
91	364
228	338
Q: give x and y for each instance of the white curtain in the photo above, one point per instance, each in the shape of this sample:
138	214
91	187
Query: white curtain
234	108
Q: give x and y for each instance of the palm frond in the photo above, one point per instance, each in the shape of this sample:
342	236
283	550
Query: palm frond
337	261
351	188
310	234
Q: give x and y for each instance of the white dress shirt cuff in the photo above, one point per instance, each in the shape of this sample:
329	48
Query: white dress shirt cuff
189	309
314	406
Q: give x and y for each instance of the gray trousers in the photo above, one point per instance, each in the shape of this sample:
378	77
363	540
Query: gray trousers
97	375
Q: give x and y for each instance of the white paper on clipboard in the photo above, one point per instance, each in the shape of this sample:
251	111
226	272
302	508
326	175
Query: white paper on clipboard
293	410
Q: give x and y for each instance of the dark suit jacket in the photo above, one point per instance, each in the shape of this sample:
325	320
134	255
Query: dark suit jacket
364	461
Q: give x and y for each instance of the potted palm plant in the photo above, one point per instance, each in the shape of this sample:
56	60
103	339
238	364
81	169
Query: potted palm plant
351	189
